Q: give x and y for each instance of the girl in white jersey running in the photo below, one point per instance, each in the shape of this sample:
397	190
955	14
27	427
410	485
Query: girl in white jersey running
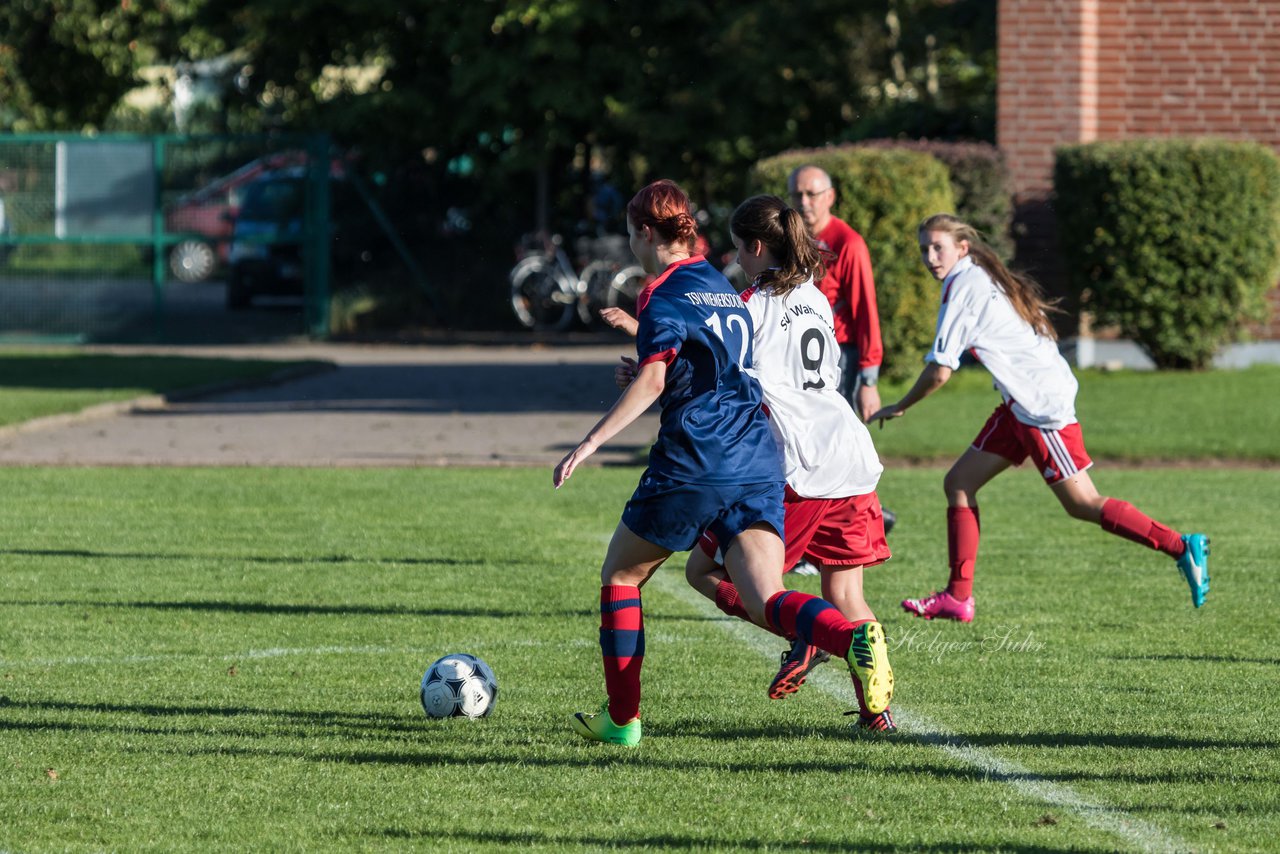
1002	318
832	515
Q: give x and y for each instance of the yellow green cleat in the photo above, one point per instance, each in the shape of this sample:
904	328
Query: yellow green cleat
600	727
868	660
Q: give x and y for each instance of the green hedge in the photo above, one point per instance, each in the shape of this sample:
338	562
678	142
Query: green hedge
980	182
1175	241
884	195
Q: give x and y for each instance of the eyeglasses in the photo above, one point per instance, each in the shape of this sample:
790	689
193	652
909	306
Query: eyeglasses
808	194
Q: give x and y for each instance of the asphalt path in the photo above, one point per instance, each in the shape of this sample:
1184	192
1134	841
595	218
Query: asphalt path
378	406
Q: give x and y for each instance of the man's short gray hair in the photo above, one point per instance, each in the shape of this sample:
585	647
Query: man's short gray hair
791	179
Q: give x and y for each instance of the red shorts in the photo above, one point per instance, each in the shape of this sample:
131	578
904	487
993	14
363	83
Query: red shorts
831	531
1058	454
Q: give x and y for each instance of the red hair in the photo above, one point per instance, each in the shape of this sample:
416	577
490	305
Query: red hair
664	207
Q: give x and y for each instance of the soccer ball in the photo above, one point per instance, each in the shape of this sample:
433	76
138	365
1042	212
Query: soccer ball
458	685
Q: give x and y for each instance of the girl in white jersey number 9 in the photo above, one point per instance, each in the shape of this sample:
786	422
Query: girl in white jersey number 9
1001	317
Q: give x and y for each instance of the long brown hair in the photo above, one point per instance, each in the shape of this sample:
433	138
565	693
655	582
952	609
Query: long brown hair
782	230
665	208
1024	293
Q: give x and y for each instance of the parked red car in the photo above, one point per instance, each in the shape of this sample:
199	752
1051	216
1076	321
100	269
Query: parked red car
207	215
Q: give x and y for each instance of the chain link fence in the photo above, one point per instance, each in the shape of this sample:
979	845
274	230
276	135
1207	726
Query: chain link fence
144	238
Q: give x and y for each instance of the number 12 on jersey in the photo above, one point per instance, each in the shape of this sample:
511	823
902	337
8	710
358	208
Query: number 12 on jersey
743	340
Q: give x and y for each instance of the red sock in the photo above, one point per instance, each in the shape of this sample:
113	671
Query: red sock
622	647
727	600
857	686
962	549
1123	519
815	621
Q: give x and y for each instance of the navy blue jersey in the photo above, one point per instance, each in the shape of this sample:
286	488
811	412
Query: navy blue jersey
714	429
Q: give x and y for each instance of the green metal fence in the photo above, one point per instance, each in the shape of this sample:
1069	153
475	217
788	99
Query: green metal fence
127	237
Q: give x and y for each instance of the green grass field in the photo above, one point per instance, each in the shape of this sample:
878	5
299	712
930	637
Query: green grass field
1126	415
201	660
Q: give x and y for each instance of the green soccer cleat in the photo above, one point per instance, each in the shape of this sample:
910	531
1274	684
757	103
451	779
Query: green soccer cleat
868	659
600	727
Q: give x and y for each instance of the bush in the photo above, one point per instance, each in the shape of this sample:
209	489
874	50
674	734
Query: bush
980	182
1174	241
884	195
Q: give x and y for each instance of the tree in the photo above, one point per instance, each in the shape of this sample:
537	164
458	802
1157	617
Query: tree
495	93
65	64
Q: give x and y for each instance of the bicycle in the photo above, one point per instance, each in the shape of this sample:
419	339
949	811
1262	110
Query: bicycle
544	285
547	292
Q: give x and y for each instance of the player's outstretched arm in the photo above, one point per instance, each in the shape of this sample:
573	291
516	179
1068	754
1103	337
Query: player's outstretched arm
620	320
635	399
932	378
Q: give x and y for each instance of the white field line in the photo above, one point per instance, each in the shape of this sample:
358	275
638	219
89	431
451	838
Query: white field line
834	681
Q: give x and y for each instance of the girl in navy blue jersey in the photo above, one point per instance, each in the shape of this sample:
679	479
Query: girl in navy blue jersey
714	466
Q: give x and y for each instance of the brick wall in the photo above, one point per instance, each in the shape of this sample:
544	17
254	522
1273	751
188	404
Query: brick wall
1080	70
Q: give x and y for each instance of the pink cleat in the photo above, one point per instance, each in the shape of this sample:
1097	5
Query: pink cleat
941	605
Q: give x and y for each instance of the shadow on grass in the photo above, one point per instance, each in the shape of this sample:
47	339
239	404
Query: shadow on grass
660	841
274	722
1133	741
209	721
346	609
269	559
1217	659
452	752
697	728
300	610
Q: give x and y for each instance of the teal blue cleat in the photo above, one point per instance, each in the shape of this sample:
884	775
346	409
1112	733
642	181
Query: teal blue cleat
1194	564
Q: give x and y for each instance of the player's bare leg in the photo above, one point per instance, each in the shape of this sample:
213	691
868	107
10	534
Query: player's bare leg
630	559
754	563
842	587
974	470
629	562
869	667
1081	499
703	573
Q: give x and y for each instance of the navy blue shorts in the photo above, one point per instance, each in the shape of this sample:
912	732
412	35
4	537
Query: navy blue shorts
673	514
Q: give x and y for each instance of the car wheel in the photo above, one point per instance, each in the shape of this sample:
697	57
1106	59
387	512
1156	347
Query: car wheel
192	261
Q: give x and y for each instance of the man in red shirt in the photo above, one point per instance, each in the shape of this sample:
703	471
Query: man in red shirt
848	285
850	289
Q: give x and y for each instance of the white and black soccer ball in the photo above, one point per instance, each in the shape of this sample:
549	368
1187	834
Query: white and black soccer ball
459	685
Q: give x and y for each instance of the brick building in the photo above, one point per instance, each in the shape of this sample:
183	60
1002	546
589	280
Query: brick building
1083	70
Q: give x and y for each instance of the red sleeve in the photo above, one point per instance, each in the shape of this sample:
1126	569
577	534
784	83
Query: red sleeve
866	314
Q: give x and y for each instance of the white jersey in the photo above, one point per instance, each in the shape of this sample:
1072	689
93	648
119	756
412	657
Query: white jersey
827	452
1028	370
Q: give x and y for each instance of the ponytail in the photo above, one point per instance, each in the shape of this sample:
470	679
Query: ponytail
1025	294
783	231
